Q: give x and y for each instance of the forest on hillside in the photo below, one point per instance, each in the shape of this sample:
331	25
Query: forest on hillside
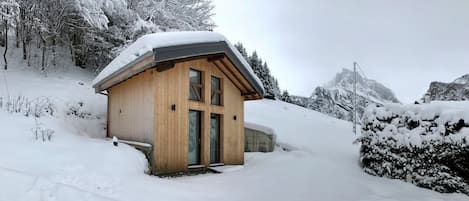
93	32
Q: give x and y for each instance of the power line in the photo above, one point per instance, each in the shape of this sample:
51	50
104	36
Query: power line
355	98
362	71
366	77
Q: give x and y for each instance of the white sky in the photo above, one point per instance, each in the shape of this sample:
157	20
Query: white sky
404	44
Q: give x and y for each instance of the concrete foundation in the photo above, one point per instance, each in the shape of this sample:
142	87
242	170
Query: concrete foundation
258	140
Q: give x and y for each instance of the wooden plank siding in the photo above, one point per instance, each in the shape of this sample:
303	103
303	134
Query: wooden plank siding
171	127
140	109
129	103
148	61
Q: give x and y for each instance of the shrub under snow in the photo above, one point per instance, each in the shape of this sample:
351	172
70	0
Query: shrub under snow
36	107
424	144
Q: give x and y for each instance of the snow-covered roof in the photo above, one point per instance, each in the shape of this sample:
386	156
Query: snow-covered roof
148	44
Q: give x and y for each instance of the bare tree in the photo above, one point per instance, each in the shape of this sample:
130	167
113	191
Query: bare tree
26	24
52	24
93	31
8	13
189	15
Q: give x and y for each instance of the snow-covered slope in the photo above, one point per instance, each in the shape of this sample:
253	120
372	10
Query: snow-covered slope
80	164
335	97
458	90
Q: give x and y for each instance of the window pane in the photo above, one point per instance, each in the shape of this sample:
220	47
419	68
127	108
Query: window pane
195	91
215	90
194	137
215	83
215	138
194	76
216	99
192	94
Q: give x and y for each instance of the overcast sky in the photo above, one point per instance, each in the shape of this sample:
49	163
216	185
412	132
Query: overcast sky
404	44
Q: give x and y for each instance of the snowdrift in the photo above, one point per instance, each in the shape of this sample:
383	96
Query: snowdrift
426	144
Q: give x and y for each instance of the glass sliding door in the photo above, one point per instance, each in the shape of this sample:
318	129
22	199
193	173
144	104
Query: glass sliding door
194	137
214	138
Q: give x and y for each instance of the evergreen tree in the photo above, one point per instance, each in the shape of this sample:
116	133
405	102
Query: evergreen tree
286	97
261	69
242	50
268	82
256	64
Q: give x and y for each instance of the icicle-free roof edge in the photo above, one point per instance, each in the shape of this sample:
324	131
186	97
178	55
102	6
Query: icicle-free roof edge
148	44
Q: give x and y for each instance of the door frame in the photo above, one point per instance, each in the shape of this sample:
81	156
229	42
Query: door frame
219	145
199	138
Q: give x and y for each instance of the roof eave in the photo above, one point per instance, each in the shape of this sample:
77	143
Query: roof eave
97	86
165	54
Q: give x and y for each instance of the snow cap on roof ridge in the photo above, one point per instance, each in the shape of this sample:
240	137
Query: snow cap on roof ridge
145	45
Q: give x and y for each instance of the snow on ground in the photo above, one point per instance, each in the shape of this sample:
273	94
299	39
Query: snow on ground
80	164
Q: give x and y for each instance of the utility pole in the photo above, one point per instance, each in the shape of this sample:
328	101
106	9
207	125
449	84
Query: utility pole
355	98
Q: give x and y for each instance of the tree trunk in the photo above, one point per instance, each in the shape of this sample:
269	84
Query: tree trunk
29	55
2	37
54	52
71	51
38	40
25	52
17	33
2	43
6	45
43	63
24	33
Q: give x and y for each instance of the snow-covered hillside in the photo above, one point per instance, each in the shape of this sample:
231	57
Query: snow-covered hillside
316	159
458	90
335	97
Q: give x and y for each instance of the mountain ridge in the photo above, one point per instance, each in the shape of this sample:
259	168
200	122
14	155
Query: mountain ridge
335	98
457	90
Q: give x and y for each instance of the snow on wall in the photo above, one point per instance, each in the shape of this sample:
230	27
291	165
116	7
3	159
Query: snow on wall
264	129
147	43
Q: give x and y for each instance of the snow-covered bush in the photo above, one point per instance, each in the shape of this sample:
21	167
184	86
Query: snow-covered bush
426	144
40	132
77	110
37	107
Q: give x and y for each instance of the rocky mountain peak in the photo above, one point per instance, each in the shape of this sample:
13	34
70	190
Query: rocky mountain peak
371	89
335	98
458	90
462	80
